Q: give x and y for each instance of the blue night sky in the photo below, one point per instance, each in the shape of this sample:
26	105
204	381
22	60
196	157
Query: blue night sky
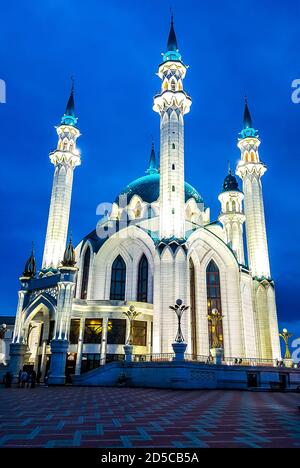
113	49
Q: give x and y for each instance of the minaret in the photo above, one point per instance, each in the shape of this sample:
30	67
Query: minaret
251	169
172	103
232	216
65	158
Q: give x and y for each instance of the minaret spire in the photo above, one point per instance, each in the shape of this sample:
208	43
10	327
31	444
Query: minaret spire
30	265
64	158
152	169
172	103
250	169
69	117
172	40
247	116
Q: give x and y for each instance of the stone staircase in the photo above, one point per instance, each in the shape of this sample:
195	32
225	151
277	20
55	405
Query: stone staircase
104	376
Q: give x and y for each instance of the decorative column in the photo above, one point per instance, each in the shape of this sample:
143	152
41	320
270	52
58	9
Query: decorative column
44	359
65	158
60	343
172	103
18	346
80	346
103	340
232	216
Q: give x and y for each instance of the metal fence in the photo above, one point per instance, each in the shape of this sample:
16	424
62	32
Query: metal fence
201	359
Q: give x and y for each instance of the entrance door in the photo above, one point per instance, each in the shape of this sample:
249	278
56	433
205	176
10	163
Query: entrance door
252	378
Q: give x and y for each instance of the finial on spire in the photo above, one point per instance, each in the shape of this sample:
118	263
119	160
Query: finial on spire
30	265
230	183
247	116
69	115
172	45
248	130
69	255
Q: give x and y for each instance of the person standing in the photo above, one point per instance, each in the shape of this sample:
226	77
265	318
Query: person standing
7	379
24	376
33	379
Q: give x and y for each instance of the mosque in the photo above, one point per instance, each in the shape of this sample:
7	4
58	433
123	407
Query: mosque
156	243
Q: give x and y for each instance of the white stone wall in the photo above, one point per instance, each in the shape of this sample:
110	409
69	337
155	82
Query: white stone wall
248	316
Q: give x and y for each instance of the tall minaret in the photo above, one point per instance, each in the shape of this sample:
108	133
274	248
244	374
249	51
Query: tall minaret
65	158
251	169
172	104
232	216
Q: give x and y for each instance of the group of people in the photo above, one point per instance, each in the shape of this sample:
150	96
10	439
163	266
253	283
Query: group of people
27	379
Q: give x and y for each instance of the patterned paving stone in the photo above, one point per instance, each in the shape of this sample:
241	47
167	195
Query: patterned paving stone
112	417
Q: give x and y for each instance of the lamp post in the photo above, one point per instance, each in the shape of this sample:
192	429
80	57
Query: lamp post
285	335
215	318
131	315
3	330
179	346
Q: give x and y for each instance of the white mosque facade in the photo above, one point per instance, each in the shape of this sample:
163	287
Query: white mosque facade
156	244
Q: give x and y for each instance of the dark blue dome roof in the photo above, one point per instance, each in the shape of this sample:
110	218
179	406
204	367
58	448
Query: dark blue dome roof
147	188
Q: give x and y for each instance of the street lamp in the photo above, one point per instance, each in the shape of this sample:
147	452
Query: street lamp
131	314
285	335
179	308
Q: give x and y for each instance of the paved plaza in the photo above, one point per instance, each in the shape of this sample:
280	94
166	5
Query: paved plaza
113	417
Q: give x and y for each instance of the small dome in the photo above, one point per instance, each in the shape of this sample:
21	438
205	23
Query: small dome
147	188
230	183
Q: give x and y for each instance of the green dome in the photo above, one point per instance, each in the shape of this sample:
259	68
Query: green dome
147	188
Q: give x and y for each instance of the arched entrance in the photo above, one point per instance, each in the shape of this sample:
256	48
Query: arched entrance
38	331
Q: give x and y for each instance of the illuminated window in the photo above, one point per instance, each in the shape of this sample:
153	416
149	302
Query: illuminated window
85	274
116	333
142	294
213	297
93	331
118	280
139	333
74	331
252	156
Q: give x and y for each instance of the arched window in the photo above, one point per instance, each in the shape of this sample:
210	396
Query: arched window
173	146
252	156
173	85
233	206
213	297
85	273
142	290
118	280
193	308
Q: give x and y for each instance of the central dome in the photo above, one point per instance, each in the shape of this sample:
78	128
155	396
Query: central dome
147	188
